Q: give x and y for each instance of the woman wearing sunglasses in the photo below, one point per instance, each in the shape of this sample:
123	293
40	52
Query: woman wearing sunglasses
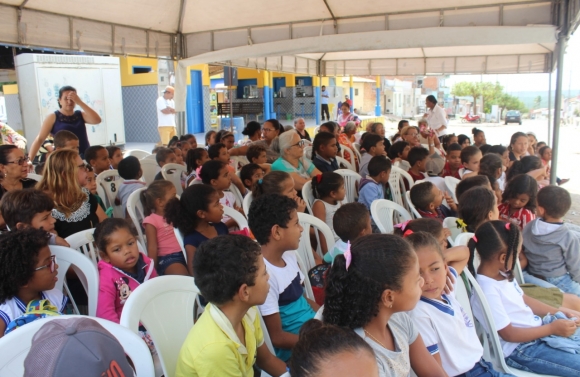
13	169
27	277
292	160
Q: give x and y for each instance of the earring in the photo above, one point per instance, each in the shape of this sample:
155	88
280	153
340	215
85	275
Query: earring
391	306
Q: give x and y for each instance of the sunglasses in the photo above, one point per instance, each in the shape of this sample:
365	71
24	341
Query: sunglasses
51	264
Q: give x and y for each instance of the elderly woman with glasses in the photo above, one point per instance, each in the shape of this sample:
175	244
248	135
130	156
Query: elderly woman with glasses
292	160
75	208
270	130
13	169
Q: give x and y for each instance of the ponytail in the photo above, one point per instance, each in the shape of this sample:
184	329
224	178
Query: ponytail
326	183
270	184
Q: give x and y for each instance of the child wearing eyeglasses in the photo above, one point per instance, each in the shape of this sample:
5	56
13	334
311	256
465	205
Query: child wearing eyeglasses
27	276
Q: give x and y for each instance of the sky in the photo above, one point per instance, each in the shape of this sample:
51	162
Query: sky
538	81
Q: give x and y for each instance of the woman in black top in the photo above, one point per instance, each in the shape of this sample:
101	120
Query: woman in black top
13	169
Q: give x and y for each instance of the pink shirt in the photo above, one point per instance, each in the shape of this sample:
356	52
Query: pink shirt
166	241
520	217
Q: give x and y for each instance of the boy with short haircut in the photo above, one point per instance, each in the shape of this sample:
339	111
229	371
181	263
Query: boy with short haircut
64	139
324	149
351	221
273	220
418	157
256	154
228	338
163	157
98	157
373	145
373	186
471	182
30	208
453	163
250	174
470	158
428	200
553	246
130	170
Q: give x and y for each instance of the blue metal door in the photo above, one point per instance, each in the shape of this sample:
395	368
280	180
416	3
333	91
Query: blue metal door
195	123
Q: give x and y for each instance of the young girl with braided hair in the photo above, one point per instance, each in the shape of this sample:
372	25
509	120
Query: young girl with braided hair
528	342
328	189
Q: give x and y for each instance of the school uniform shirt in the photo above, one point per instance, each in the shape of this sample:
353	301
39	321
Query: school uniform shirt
325	165
196	238
364	165
286	296
127	188
441	213
447	329
212	347
447	172
14	308
416	177
521	217
507	305
463	171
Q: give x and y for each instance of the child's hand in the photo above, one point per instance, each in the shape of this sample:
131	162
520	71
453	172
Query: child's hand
301	204
239	209
563	327
447	232
61	241
450	281
571	314
450	201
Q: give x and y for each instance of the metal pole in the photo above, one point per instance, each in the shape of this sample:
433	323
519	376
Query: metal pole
231	103
557	106
550	106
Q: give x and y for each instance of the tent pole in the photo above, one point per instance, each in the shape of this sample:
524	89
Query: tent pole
557	106
549	106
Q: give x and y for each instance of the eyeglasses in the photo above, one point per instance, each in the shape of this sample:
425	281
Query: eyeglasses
299	144
83	167
20	161
413	135
267	130
51	264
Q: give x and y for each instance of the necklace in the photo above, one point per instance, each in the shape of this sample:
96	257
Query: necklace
373	338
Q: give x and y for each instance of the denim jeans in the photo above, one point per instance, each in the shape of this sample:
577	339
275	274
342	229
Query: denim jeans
531	279
484	369
537	357
566	284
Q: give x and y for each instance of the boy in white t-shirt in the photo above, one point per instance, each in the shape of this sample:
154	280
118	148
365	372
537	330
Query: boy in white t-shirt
447	330
27	273
273	220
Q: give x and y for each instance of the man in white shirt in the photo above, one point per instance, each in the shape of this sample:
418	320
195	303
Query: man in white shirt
436	116
166	115
324	103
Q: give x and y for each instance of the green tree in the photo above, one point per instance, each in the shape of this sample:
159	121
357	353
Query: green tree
490	95
537	102
466	89
509	102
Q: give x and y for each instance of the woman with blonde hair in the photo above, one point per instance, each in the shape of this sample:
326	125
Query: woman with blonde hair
75	209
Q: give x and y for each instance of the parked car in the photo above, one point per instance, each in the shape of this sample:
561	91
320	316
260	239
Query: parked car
513	116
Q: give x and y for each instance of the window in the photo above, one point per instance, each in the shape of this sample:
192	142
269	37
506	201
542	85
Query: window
141	69
356	92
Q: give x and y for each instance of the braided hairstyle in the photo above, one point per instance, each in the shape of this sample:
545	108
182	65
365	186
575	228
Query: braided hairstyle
495	237
326	183
379	262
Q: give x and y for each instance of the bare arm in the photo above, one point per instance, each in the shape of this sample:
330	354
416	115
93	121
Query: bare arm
312	304
423	364
280	338
45	129
101	214
268	362
239	151
319	211
299	181
90	116
190	251
457	257
151	234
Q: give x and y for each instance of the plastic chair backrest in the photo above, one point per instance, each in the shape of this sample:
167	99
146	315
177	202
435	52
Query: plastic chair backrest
451	183
237	217
344	164
247	202
136	212
304	270
108	184
308	152
179	237
451	224
463	239
239	197
36	177
14	347
150	169
414	211
397	185
83	241
140	154
344	149
462	295
172	173
308	195
385	213
351	183
170	298
305	246
85	269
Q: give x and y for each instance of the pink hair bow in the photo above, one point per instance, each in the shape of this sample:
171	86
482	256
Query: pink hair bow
402	225
348	255
198	172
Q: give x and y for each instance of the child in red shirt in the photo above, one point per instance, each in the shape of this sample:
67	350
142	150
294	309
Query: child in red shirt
519	200
453	163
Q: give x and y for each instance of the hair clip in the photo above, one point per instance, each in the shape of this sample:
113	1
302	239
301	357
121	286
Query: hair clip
402	225
260	181
318	178
474	239
461	224
507	226
198	171
408	232
348	255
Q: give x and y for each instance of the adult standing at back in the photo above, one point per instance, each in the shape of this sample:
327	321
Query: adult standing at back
436	116
166	115
324	97
67	118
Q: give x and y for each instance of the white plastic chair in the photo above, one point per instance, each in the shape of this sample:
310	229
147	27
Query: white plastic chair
344	164
170	298
308	195
14	347
350	152
150	169
247	202
85	269
414	211
303	268
36	177
351	183
308	152
492	350
463	238
237	217
140	154
451	224
238	195
172	173
136	212
385	213
108	184
179	237
462	295
451	183
305	246
397	184
83	241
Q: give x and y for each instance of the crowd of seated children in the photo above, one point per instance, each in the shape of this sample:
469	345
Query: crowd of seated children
491	166
194	160
329	192
398	153
372	146
129	169
115	156
428	200
216	174
519	200
531	165
278	182
324	150
98	157
219	152
163	157
278	232
250	174
470	158
372	187
453	162
350	222
418	157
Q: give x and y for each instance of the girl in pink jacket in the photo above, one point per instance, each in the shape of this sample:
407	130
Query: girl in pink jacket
122	267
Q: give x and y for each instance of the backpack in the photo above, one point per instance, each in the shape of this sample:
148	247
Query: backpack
35	309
